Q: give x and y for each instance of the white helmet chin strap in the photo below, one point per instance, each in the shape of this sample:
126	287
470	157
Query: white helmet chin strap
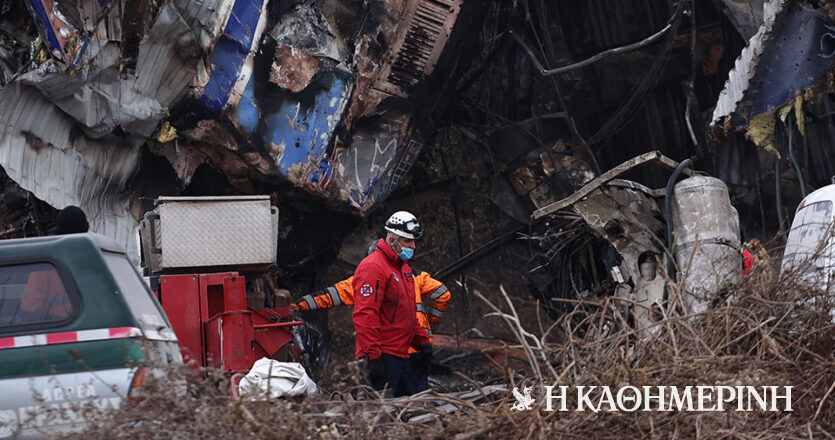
396	242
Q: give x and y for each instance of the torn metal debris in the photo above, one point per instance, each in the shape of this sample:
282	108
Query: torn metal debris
317	94
746	15
335	124
232	55
790	53
622	251
102	100
40	150
68	27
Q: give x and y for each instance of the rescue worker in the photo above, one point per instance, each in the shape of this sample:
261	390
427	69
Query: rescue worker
426	287
385	311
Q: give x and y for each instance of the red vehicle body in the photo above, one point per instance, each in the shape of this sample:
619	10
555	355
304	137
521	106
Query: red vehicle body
209	314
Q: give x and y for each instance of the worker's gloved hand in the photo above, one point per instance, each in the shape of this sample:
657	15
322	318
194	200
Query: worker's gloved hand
294	310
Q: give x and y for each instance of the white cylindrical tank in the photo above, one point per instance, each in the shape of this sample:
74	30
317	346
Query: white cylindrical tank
707	243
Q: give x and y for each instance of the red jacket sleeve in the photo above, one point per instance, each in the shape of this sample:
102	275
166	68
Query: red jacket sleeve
368	281
421	337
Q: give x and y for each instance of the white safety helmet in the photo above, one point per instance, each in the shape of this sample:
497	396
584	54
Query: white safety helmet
404	224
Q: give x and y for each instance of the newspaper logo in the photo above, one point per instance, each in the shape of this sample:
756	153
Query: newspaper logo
630	398
523	401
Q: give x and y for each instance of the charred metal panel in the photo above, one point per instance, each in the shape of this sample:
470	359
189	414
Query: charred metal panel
790	52
40	152
411	40
302	131
101	99
629	219
363	170
231	59
429	25
289	116
291	69
68	26
794	58
308	31
206	18
746	15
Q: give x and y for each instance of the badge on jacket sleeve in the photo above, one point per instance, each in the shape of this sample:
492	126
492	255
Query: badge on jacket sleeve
366	290
395	277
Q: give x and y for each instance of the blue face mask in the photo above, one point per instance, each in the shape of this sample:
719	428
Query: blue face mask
406	253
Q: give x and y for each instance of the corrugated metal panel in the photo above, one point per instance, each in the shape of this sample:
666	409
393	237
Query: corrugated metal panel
206	18
38	151
101	98
782	61
743	71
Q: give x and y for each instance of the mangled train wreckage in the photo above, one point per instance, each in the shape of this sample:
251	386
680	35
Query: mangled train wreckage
335	98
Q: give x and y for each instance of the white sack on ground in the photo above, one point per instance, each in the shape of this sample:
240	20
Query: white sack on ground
272	379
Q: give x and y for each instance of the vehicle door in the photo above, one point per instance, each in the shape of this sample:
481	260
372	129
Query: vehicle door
51	375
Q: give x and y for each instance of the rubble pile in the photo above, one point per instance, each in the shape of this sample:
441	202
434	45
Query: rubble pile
517	132
760	335
322	96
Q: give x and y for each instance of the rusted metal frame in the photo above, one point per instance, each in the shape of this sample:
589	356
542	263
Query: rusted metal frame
653	156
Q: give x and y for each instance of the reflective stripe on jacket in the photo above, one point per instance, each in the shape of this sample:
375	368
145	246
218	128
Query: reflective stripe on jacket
427	291
340	294
437	295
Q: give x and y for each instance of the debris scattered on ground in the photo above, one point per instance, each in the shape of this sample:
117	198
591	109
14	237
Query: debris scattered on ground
761	335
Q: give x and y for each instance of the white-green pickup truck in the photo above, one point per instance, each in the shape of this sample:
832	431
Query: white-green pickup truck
78	328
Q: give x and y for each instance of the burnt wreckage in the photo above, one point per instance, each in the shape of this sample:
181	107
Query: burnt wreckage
327	104
777	94
334	98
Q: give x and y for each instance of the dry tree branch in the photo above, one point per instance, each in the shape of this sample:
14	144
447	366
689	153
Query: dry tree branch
823	400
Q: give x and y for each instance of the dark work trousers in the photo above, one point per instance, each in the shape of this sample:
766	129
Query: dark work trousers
418	373
392	377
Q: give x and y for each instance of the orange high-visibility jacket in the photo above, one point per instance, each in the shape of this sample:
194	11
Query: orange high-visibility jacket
342	293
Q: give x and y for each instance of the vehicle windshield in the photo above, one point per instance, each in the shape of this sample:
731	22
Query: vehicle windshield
136	293
809	244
